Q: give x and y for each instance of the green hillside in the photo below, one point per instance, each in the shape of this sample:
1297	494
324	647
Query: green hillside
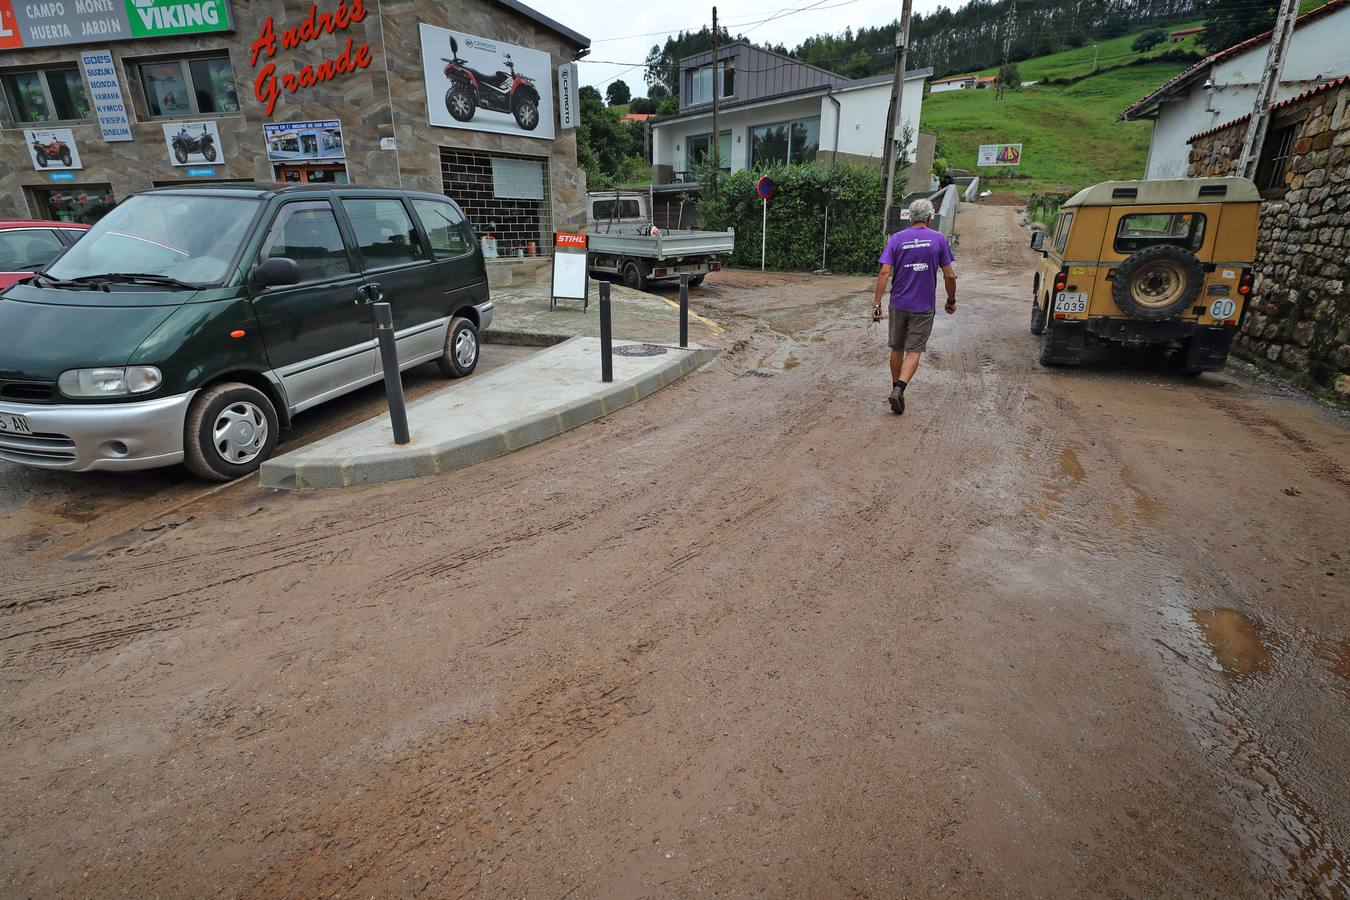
1069	133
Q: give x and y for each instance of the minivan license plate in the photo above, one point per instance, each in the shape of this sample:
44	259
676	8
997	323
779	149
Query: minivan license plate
1071	302
13	423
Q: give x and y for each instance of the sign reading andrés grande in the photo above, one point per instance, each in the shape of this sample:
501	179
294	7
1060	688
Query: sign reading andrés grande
51	23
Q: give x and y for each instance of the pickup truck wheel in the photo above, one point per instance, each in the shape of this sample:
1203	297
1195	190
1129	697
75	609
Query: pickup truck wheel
696	280
231	428
634	277
461	349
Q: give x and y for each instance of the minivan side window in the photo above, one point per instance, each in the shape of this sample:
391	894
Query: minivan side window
308	233
384	232
445	228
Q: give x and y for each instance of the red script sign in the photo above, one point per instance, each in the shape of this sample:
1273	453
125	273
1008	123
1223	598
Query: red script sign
267	86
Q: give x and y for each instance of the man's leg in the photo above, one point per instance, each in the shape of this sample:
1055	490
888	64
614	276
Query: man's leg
897	360
907	367
899	327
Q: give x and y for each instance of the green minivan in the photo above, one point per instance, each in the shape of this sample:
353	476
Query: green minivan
191	324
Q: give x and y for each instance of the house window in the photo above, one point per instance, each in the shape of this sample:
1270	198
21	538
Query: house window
698	150
701	83
189	87
1274	164
46	95
792	143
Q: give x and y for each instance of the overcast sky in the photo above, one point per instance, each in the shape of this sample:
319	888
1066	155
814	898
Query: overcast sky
622	31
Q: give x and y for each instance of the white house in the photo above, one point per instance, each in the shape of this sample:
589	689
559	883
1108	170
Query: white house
961	83
773	108
1222	86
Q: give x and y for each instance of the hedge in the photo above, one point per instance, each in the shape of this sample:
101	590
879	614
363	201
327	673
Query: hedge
797	216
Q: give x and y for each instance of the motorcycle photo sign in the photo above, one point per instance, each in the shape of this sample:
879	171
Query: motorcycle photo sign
485	85
192	143
53	148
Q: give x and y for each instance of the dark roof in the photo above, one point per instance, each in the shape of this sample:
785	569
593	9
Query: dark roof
1145	104
260	190
551	24
1330	85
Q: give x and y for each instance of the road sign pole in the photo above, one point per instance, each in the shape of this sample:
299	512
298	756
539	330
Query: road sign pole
764	234
684	309
393	381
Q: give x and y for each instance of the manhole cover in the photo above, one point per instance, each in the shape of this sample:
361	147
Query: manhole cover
639	350
760	373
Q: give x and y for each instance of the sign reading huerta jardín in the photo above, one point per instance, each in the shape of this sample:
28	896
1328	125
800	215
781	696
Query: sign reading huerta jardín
49	23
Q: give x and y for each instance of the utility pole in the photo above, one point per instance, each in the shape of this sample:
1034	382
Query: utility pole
1007	44
716	93
1280	39
1095	50
893	119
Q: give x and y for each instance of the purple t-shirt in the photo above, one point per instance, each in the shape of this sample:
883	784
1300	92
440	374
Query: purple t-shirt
915	255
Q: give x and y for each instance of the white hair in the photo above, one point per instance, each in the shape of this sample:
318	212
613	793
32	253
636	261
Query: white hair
921	211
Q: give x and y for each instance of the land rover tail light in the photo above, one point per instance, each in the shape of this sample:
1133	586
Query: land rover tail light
659	273
1245	282
1061	279
716	267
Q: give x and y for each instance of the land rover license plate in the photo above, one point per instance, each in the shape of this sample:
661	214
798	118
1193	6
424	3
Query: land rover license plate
1071	302
13	423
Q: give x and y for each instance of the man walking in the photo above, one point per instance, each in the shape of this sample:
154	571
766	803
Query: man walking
911	260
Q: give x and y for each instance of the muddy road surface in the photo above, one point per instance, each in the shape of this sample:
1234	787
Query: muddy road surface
1049	632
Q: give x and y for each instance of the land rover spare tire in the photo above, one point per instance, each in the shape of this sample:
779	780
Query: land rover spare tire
1157	282
231	428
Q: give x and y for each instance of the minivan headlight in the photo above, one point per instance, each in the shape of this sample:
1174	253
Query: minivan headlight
109	382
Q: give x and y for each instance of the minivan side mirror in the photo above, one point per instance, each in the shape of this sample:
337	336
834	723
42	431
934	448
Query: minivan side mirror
279	271
1037	240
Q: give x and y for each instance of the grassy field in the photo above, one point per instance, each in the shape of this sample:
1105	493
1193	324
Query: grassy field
1069	134
1112	52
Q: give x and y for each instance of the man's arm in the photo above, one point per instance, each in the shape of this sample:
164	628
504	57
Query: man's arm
949	279
882	280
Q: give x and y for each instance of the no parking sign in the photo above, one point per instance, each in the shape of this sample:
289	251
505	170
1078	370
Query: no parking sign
766	189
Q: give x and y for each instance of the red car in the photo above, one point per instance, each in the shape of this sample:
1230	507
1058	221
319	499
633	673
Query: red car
27	245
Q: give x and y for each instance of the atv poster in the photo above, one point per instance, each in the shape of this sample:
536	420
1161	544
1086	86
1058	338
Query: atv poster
52	148
192	143
485	85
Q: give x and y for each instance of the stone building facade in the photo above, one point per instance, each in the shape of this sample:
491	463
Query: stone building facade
376	90
1299	322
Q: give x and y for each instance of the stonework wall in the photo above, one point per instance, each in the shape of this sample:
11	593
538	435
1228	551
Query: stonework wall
1299	323
362	101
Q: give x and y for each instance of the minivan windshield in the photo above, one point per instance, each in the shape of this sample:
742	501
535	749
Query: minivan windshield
160	238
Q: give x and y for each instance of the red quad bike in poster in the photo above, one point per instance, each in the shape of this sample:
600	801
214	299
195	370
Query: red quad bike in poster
55	148
507	91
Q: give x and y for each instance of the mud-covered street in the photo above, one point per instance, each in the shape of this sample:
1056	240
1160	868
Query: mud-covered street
1050	632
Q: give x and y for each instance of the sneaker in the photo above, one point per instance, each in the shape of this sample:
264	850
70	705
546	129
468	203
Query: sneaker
897	399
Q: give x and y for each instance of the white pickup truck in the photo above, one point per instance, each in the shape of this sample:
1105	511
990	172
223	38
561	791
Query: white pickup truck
624	242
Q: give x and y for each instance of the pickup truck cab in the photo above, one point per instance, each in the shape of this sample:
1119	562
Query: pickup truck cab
191	324
1165	263
625	242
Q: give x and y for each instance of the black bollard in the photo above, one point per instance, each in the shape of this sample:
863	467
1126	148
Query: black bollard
606	337
393	381
684	310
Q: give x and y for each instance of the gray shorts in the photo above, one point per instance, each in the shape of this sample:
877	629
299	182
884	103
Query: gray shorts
910	330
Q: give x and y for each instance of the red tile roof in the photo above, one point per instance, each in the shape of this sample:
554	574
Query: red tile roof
1330	85
1141	106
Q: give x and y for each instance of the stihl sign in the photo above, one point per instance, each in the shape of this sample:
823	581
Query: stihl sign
571	240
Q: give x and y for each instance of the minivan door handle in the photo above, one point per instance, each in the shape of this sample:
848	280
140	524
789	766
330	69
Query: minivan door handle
374	293
361	295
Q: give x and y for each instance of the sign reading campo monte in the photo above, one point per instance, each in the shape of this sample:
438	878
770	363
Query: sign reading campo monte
49	23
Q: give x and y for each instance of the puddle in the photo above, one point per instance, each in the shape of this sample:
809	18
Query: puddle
1234	642
1069	474
1336	655
790	363
1070	467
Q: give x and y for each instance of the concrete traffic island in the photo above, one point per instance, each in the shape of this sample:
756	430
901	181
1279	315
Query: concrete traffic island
524	316
549	392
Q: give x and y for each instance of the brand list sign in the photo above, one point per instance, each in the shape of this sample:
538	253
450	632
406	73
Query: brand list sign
50	23
106	91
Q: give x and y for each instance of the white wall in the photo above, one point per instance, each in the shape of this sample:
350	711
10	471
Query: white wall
948	86
862	118
1317	49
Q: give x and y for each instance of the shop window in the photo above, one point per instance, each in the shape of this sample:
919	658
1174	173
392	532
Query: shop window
789	143
75	203
46	95
384	232
189	87
28	249
308	233
1146	229
507	224
1274	162
445	227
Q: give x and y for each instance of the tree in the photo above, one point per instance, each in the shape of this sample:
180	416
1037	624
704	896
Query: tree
618	93
642	105
1229	22
608	148
1148	40
1009	77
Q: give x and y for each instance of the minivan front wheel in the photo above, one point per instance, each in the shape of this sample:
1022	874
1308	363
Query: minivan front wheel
461	349
231	428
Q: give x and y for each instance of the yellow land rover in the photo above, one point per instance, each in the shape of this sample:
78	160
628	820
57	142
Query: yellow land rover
1147	263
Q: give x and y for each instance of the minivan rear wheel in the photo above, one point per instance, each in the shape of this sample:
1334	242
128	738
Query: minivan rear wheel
461	349
231	429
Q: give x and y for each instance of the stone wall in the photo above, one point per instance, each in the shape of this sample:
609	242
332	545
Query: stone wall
362	101
1299	321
